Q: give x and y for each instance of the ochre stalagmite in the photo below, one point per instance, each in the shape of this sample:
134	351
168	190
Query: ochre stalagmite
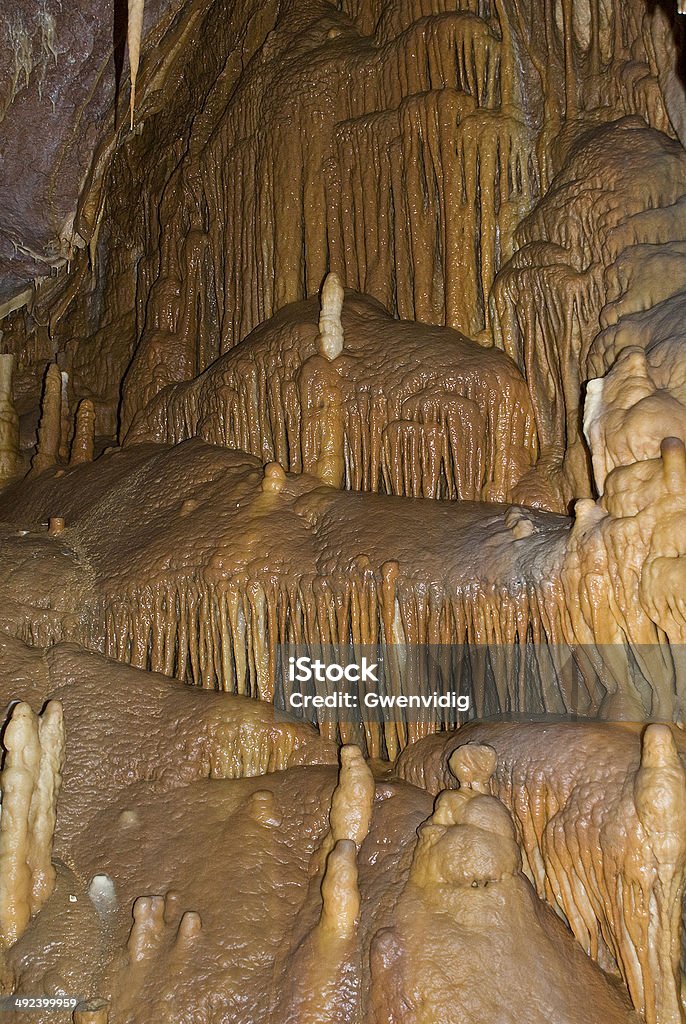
50	426
9	423
465	894
84	434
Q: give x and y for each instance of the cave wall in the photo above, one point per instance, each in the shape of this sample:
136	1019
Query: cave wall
400	145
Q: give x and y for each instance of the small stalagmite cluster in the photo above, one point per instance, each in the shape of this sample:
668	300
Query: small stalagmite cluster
58	440
29	787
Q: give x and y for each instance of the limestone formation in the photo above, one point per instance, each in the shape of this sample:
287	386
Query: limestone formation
331	336
29	785
235	594
50	427
464	896
601	819
134	33
9	423
84	434
353	798
377	307
408	426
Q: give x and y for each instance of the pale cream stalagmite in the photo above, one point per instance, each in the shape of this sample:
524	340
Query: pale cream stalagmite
50	427
331	337
84	434
9	422
352	804
30	783
66	424
353	799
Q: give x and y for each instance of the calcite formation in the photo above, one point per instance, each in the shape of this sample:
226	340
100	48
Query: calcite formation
444	419
29	787
161	943
574	249
343	328
9	422
601	820
208	572
465	870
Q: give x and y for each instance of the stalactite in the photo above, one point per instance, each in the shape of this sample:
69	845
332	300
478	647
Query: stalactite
133	38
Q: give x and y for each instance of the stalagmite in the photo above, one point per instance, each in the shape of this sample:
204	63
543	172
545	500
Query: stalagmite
66	425
9	423
465	902
323	417
353	799
323	981
340	894
331	336
274	478
147	928
473	765
29	783
49	429
55	526
84	434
